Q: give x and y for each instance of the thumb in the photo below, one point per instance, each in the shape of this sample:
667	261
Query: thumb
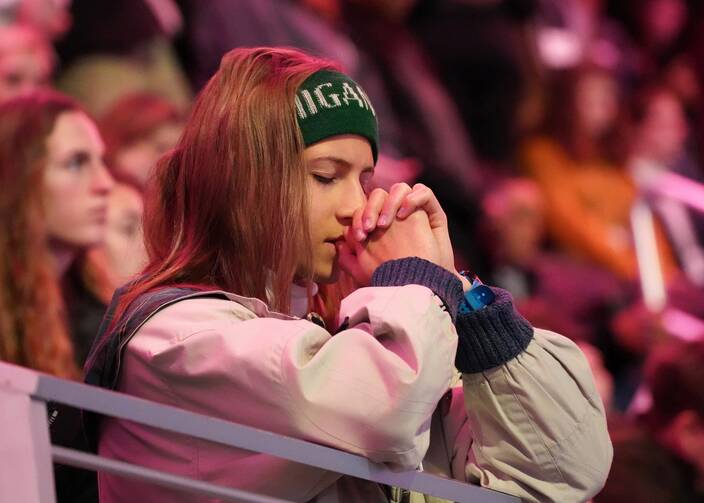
349	263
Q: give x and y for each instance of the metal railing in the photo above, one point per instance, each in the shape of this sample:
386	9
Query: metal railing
690	194
26	454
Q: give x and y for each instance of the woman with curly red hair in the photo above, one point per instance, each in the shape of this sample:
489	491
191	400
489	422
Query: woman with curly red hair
53	204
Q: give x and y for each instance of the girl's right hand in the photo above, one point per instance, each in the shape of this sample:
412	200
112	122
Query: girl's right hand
410	237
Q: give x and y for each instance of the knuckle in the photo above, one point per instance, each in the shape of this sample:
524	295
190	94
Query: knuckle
378	193
402	187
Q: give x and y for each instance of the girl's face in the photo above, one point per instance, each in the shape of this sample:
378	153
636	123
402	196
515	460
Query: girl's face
596	99
76	183
339	172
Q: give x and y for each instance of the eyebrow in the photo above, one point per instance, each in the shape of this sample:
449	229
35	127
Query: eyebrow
340	162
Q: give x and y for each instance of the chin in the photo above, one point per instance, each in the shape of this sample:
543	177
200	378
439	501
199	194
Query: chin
327	274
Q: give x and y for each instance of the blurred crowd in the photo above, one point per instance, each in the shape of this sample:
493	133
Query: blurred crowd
547	128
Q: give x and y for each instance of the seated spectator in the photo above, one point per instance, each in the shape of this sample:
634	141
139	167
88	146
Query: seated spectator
138	129
659	147
578	162
122	253
54	205
265	196
53	208
26	60
659	457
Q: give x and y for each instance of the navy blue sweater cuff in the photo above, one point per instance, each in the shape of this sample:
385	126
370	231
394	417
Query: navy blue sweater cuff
491	336
418	271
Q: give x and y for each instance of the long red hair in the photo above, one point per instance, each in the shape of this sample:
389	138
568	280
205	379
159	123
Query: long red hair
227	208
33	329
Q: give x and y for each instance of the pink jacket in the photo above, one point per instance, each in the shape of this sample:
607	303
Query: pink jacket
533	427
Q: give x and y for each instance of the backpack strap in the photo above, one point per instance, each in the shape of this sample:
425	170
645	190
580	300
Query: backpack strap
104	361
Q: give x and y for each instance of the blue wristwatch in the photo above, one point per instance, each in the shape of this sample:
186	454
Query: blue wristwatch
477	297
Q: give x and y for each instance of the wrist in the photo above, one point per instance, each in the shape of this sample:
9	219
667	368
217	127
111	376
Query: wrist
466	283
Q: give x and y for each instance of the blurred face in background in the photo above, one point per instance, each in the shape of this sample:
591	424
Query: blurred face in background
596	103
515	213
25	61
124	244
663	131
50	17
76	183
663	20
137	159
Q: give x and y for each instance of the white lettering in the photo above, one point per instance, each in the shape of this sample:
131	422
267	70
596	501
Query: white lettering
300	111
312	109
367	103
348	94
322	99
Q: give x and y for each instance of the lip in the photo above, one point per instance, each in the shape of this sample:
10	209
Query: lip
99	212
340	239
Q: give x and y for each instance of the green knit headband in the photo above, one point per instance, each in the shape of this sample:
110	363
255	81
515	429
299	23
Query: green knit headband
329	103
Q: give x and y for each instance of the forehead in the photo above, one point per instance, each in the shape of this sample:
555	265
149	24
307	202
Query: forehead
73	130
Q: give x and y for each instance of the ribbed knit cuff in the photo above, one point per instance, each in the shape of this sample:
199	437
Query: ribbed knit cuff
491	336
418	271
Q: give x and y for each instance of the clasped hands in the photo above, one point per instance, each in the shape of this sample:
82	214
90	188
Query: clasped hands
404	222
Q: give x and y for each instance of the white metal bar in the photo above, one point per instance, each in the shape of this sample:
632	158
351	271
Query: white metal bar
25	463
92	462
650	270
679	188
169	418
224	432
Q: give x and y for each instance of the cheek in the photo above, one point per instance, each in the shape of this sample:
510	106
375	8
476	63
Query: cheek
321	209
67	214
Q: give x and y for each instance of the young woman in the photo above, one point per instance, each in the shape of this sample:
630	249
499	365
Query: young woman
266	196
53	207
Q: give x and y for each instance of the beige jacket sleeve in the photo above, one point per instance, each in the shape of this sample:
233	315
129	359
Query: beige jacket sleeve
534	427
370	389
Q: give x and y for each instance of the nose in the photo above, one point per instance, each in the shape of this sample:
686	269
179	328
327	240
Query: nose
103	182
353	197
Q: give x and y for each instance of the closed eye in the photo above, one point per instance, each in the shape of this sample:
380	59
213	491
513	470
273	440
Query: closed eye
324	179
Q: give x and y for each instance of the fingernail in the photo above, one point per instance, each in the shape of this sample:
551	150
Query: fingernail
383	220
360	235
367	223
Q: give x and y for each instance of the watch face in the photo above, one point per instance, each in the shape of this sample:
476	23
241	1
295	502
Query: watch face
480	296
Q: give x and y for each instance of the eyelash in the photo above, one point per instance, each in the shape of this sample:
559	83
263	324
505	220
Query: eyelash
323	179
366	181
